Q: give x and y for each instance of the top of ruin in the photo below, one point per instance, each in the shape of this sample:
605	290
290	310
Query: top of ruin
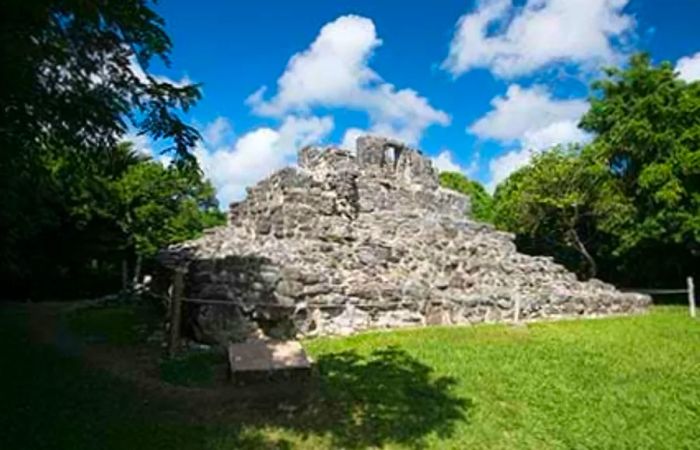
377	156
383	176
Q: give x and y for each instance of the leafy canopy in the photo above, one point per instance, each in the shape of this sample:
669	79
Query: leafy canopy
106	209
629	202
162	205
73	77
558	204
74	80
647	126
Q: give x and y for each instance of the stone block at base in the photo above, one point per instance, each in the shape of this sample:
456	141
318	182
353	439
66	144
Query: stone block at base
264	360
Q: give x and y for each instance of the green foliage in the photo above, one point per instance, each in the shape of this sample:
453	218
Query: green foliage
481	201
647	126
558	204
73	77
75	80
628	203
161	205
102	209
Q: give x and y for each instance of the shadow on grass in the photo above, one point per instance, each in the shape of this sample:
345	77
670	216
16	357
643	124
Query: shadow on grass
385	397
355	401
52	400
194	369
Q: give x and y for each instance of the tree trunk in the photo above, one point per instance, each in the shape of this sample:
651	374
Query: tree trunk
592	266
125	274
137	271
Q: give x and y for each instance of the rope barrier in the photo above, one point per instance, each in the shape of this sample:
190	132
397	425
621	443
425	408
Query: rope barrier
656	291
210	302
200	301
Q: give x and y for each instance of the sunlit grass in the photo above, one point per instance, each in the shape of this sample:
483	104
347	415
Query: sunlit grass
630	382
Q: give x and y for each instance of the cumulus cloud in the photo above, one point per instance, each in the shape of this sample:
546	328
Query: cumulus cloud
350	138
444	162
531	120
217	131
523	110
688	68
258	153
501	167
513	41
334	72
563	132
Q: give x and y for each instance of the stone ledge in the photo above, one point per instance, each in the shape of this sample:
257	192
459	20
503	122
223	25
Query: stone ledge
265	360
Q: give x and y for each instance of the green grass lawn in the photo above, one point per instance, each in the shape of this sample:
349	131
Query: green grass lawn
611	383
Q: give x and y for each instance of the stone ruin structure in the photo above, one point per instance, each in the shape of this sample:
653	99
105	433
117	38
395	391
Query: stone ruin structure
347	242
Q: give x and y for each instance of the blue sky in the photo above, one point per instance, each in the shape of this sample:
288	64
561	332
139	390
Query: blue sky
477	85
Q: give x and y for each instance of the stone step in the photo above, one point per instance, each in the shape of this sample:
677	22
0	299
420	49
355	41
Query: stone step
268	360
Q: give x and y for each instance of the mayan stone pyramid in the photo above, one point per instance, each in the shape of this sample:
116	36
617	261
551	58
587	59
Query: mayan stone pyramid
347	242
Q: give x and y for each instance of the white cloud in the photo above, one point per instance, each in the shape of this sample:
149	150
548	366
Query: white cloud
165	160
501	167
334	73
532	120
563	132
350	138
258	154
536	35
217	131
525	110
688	68
444	162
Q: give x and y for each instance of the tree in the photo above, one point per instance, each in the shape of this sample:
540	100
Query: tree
557	205
73	77
109	211
74	80
481	201
629	202
647	133
71	237
161	205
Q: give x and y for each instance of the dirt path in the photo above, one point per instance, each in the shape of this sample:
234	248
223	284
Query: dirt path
139	366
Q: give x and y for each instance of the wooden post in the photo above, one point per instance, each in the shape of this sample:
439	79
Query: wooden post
516	314
691	296
176	310
125	275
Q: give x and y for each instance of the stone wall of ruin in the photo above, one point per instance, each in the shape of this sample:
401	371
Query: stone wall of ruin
347	242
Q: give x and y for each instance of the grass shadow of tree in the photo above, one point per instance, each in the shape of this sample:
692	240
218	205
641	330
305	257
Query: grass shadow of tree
385	397
359	400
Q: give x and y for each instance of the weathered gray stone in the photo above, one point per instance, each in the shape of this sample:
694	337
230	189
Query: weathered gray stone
344	243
